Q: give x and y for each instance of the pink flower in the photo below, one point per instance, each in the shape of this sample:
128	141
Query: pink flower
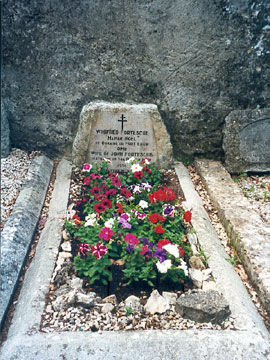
87	167
98	250
86	180
106	233
83	248
145	251
132	239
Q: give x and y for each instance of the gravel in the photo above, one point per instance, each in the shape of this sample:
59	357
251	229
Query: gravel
13	171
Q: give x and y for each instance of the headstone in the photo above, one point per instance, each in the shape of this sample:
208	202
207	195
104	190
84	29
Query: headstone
120	131
5	142
247	141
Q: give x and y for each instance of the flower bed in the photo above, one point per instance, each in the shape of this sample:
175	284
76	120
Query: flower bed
129	227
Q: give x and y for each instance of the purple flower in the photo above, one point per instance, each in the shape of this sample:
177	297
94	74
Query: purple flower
124	223
168	210
161	254
129	248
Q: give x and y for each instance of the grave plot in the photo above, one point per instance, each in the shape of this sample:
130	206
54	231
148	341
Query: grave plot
133	254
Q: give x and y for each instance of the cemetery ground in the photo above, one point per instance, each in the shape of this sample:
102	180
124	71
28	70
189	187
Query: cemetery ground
248	338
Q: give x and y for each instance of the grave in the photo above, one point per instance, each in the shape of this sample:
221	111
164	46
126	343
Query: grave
247	141
120	131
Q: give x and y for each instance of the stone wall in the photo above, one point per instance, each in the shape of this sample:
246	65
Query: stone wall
196	59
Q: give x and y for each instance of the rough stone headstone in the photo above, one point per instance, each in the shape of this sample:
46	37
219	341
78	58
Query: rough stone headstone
247	141
203	306
5	141
120	131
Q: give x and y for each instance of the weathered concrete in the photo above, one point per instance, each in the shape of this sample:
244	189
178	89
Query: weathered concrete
246	141
250	235
102	134
25	342
5	141
20	227
182	55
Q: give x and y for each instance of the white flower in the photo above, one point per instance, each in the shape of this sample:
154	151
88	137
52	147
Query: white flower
146	161
90	222
137	189
91	216
143	204
130	160
147	186
172	249
183	266
136	167
109	223
164	266
107	160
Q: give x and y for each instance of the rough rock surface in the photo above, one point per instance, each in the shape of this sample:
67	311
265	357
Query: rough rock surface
203	306
197	60
246	141
5	141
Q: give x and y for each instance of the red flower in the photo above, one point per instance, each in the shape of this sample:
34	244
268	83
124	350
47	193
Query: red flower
162	243
158	229
86	180
187	216
154	218
98	250
126	193
99	196
145	251
170	195
181	251
95	190
119	208
110	192
116	181
152	198
106	203
138	175
99	208
77	219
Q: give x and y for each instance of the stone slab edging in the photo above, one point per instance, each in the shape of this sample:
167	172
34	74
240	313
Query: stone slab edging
19	230
250	235
26	342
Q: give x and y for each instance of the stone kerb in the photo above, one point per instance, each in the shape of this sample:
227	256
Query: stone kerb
247	141
120	131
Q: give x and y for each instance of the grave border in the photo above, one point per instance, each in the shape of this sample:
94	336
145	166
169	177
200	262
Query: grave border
26	342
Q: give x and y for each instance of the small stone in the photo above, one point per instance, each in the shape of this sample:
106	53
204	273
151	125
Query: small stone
64	255
206	274
76	283
196	263
133	302
110	299
66	246
156	303
203	306
171	297
107	307
85	300
209	285
65	235
197	277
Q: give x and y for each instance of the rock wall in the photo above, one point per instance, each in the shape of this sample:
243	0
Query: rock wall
196	59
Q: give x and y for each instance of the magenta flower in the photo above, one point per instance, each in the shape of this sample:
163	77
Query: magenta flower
106	233
83	248
87	167
116	181
98	250
132	239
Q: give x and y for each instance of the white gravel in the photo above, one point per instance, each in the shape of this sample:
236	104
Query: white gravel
13	171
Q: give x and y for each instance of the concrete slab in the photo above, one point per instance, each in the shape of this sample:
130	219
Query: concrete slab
250	235
25	341
19	230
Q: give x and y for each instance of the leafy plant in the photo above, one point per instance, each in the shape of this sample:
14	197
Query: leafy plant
133	218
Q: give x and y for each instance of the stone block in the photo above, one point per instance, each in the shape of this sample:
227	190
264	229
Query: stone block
246	141
203	306
5	141
121	131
